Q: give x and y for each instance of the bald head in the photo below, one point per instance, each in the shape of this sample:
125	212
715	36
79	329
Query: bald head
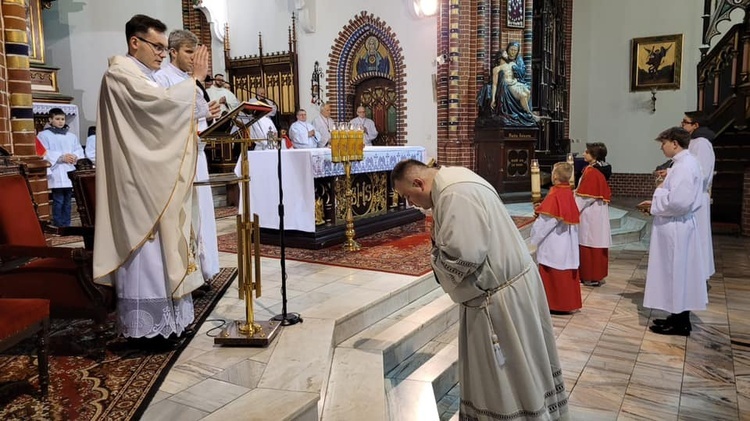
413	180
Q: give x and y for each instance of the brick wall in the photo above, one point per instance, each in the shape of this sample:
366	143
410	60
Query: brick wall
339	85
195	21
632	185
471	32
5	138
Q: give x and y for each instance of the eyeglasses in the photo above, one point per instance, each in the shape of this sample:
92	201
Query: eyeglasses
158	49
687	122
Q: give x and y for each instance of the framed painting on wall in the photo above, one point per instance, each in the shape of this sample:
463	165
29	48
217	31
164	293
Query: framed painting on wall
35	31
516	12
656	63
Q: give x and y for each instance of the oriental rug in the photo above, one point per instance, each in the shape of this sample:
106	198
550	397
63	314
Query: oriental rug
59	240
224	211
404	250
82	387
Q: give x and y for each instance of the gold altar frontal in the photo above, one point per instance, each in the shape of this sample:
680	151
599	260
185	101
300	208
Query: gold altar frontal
232	335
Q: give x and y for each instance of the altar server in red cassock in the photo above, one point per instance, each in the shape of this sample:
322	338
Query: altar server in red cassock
555	233
592	197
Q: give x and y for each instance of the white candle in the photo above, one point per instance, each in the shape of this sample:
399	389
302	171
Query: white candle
536	180
571	161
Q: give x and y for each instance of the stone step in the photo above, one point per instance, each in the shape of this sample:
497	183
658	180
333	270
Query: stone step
356	388
416	395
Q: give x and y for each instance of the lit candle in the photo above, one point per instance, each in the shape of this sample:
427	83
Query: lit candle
536	182
571	161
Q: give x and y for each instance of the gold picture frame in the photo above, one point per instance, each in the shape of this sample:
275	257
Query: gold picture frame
35	31
656	63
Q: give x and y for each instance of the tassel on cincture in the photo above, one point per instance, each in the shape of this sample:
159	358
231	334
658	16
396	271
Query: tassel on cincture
499	357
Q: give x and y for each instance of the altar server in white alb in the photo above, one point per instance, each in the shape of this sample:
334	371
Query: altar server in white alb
371	133
675	281
63	151
702	149
147	146
507	357
303	134
182	45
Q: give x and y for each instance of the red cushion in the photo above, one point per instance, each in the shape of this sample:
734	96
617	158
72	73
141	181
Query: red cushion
19	225
18	314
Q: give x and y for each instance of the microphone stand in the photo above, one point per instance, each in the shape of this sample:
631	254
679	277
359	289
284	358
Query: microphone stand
285	318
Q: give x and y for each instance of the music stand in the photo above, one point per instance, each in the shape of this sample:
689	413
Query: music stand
233	127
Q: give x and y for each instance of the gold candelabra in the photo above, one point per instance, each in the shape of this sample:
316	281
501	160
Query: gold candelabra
347	146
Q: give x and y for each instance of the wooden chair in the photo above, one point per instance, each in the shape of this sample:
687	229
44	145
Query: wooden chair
84	191
21	319
29	268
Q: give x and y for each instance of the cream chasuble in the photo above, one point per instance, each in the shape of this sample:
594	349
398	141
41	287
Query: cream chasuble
147	146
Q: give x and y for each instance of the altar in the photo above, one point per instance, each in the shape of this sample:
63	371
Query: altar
313	189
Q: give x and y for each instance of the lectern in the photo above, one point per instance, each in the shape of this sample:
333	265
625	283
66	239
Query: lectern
232	128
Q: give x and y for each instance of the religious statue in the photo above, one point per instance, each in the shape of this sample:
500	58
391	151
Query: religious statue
507	100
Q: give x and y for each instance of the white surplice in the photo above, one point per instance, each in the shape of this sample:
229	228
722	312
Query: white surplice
147	147
703	151
299	133
481	261
323	126
57	145
208	247
675	280
215	94
557	243
369	127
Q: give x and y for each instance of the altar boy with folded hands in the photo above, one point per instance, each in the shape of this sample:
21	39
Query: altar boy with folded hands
555	233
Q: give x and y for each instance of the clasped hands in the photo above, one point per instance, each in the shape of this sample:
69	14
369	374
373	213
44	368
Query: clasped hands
68	158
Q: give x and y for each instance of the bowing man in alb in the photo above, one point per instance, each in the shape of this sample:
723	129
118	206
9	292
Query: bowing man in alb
507	357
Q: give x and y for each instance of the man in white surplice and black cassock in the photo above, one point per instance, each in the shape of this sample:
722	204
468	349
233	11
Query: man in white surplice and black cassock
508	362
147	146
675	280
182	45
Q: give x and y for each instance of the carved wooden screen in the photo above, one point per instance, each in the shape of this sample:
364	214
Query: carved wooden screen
550	85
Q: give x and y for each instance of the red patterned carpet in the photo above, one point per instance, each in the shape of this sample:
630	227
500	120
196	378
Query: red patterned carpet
58	240
119	387
404	250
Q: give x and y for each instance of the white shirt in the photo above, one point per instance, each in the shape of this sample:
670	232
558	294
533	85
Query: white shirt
298	132
216	93
323	126
370	131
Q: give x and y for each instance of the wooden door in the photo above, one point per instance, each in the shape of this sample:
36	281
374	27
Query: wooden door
378	96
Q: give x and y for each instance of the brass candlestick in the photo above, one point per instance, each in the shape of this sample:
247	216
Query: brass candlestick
347	145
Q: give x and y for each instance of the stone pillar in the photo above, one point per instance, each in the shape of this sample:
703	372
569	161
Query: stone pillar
21	115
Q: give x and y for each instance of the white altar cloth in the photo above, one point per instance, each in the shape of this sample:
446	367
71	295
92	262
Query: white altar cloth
300	167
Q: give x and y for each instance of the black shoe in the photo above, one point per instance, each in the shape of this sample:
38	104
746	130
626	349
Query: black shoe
671	330
660	322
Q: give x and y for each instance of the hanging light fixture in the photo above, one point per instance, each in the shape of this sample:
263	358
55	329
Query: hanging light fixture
422	8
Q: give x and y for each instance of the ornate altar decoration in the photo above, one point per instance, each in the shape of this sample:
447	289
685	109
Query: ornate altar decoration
276	72
45	91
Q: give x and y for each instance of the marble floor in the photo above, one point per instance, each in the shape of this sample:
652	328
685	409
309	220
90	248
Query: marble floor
615	368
